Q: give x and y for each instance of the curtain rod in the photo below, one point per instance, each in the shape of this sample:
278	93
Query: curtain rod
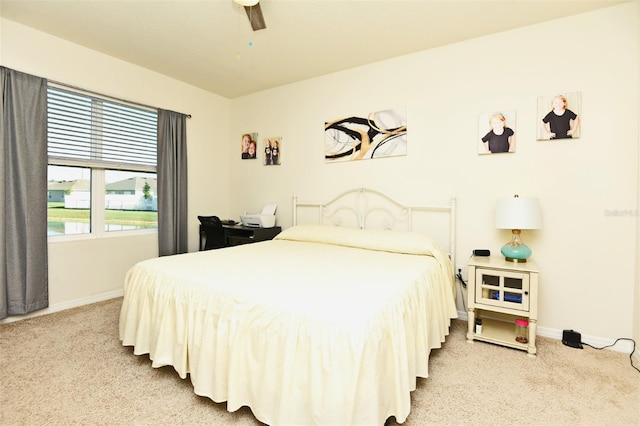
106	96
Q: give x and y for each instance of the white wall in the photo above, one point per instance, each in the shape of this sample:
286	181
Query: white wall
587	258
85	269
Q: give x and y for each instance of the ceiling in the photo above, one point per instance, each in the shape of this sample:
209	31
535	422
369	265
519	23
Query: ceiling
210	44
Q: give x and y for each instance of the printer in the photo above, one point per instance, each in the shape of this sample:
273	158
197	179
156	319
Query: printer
264	219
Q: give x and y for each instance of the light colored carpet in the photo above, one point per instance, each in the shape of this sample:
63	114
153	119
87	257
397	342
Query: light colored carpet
69	368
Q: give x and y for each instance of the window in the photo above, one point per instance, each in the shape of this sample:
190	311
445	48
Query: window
102	165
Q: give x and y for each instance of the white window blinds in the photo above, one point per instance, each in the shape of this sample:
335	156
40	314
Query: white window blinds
88	131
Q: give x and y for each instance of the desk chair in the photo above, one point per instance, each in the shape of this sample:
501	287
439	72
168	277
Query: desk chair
211	233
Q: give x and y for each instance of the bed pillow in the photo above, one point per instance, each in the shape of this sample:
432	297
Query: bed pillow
381	240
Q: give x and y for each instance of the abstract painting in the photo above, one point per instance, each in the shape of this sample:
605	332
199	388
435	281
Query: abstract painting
373	135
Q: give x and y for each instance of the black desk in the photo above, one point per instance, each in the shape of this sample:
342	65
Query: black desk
235	235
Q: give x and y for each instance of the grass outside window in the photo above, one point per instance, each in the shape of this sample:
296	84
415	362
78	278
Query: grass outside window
57	213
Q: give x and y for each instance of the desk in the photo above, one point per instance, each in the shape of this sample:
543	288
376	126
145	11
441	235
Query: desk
235	235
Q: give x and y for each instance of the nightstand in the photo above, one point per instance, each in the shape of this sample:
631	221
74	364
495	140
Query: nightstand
499	293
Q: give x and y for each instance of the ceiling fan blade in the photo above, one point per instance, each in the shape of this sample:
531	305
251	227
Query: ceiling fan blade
254	13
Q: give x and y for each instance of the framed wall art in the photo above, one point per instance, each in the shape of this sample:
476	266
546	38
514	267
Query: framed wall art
559	116
496	132
272	151
365	136
248	146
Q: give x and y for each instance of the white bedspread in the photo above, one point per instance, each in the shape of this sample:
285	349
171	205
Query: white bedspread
302	332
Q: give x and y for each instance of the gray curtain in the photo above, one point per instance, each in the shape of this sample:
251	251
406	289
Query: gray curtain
23	193
172	183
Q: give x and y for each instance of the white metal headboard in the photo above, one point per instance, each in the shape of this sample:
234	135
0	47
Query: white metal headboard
370	209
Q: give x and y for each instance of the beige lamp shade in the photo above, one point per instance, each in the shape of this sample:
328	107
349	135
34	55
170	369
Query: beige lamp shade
246	2
518	213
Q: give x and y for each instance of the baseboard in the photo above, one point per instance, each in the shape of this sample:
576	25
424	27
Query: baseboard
66	305
624	346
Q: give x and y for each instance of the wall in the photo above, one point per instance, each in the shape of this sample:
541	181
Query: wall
587	256
84	270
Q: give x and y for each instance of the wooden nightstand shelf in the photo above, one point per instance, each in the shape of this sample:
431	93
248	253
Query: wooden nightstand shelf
499	292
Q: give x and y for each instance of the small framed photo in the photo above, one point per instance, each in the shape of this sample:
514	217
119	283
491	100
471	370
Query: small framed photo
559	116
248	146
272	151
497	132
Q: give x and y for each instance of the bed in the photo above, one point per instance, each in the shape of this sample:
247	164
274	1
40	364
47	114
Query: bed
331	322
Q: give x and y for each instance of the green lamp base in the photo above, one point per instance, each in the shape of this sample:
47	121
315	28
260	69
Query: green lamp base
516	253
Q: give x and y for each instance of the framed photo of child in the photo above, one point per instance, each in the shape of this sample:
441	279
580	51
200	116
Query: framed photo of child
248	146
496	132
272	151
559	116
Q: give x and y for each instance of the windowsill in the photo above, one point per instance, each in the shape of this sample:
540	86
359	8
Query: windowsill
96	236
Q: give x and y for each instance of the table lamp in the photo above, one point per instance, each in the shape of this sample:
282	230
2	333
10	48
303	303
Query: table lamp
517	213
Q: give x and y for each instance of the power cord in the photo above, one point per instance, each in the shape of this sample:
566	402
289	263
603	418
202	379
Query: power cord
613	344
459	278
463	284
